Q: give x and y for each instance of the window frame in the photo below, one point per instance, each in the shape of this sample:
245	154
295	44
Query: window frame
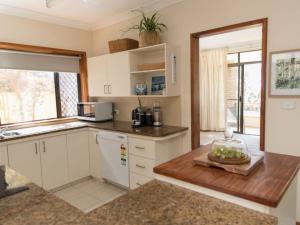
53	51
57	101
57	94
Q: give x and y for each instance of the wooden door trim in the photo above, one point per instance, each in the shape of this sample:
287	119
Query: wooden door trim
195	103
55	51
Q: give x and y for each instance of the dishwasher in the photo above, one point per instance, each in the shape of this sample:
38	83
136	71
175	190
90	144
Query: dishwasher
114	157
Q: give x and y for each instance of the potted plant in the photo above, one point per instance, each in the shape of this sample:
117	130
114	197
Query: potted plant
149	29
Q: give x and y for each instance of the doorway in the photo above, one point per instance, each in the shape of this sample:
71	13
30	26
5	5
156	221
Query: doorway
241	105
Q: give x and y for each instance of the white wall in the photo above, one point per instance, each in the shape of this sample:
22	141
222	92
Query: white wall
282	126
24	31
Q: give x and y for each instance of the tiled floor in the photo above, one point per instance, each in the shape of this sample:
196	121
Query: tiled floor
89	194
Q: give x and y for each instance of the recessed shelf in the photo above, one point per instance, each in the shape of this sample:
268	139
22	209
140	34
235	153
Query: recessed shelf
148	71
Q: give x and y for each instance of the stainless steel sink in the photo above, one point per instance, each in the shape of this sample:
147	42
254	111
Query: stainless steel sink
10	133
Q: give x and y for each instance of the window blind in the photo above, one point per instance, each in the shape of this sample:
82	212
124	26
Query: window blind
39	62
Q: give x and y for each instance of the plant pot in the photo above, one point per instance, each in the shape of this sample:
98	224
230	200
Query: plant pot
149	38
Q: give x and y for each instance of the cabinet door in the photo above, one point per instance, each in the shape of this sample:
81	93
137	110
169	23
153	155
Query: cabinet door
78	155
119	74
25	158
95	157
97	76
3	155
54	161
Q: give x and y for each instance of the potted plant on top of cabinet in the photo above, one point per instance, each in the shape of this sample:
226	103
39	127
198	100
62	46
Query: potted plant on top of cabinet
149	29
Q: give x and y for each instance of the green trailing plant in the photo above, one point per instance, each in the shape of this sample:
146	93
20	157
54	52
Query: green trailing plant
149	24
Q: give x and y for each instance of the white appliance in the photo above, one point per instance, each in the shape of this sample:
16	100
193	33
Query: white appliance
95	111
114	157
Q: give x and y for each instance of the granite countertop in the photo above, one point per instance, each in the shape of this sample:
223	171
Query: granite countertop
125	127
116	126
156	203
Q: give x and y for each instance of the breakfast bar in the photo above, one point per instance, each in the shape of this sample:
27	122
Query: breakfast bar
270	188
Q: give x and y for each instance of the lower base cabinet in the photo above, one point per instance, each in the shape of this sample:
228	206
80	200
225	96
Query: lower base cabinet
95	157
3	155
54	161
78	155
137	180
144	154
25	158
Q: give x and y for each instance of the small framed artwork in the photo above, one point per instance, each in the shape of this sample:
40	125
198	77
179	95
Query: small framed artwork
285	73
158	85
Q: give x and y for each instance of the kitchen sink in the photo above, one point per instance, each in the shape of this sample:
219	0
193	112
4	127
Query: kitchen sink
10	133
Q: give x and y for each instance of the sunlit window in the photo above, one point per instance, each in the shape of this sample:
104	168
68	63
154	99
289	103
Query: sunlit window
35	95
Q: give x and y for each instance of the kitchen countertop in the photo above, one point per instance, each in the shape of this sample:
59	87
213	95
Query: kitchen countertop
265	185
125	127
116	126
156	203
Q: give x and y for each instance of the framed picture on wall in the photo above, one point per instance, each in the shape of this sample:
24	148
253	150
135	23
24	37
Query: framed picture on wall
285	73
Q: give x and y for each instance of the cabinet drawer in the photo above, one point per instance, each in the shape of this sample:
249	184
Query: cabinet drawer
142	148
141	165
137	180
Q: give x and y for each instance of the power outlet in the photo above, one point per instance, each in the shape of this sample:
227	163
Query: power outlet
288	105
116	112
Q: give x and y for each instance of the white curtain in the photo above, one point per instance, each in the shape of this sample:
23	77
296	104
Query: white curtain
213	69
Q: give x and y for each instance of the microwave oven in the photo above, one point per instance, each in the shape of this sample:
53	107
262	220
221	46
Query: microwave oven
95	111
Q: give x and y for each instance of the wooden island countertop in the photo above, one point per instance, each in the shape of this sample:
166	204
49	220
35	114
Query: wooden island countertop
265	185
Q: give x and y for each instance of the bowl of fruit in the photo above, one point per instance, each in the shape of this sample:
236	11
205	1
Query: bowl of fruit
229	151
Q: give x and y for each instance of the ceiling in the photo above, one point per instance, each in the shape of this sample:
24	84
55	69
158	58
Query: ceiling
233	39
83	14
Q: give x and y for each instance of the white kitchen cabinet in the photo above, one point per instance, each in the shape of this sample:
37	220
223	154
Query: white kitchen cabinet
78	155
97	75
119	74
109	75
95	157
137	180
144	154
3	155
24	157
54	161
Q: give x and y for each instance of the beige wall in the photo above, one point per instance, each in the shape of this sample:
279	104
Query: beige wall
169	107
282	131
282	126
25	31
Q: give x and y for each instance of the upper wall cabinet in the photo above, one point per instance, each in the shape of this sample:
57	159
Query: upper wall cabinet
120	73
108	75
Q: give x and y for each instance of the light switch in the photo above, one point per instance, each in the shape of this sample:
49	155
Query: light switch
288	105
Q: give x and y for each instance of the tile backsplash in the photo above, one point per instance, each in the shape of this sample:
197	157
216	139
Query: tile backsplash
170	107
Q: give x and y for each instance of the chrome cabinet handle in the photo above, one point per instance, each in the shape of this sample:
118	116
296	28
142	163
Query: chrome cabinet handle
140	148
36	148
140	166
44	146
97	142
121	137
138	184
